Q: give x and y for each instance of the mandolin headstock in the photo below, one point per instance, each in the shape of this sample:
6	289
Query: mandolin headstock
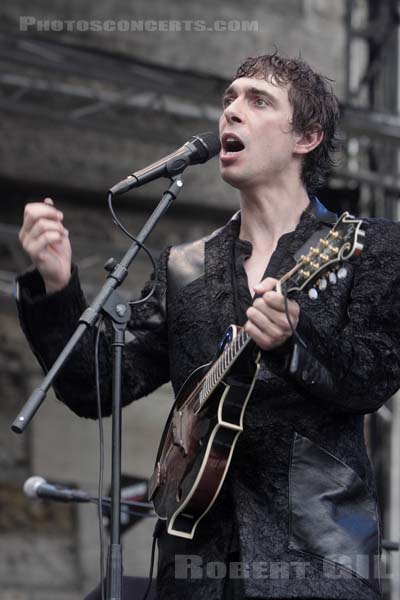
324	263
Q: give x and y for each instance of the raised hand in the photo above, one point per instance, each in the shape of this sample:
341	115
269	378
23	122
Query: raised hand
46	240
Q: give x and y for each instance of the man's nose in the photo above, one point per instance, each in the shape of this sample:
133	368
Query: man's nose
232	113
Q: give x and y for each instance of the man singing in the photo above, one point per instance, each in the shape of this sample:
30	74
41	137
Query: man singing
296	516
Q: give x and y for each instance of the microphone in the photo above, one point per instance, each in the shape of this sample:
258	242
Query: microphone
37	487
198	149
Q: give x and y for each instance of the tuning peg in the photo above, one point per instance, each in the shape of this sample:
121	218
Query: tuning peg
324	243
332	278
305	274
342	273
312	294
322	284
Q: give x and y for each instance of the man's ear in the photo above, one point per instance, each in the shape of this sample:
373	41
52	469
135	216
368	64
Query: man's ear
309	139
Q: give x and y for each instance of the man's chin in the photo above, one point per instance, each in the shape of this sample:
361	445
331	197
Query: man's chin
236	180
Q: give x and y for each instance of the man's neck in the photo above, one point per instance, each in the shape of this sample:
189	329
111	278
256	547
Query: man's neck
267	214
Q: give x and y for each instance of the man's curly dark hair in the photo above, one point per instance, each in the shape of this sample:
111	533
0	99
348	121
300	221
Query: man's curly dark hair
313	102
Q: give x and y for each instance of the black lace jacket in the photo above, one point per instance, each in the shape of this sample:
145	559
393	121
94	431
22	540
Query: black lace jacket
299	499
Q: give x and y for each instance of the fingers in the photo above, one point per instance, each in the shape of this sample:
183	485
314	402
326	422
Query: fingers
36	247
43	225
267	323
264	323
272	299
39	210
34	212
273	304
265	340
266	285
45	240
263	315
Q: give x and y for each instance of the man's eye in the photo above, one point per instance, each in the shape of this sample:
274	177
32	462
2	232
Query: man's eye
260	102
227	101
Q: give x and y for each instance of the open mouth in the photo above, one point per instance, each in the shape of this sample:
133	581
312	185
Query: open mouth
231	144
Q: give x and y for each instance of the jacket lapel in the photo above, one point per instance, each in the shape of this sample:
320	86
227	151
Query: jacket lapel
218	278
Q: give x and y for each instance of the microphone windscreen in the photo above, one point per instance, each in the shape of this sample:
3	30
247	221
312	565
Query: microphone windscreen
31	485
207	144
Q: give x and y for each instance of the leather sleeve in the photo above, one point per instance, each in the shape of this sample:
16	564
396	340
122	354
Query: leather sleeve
48	322
359	369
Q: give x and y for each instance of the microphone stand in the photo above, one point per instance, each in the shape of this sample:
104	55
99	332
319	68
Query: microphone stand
109	302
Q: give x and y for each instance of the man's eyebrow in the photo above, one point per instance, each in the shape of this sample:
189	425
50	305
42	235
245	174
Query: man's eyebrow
252	91
229	90
257	92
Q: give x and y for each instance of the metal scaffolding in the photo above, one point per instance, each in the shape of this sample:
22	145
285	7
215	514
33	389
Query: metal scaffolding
371	126
371	105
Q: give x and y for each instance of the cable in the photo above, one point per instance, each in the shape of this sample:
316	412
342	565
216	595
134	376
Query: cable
133	503
100	500
142	246
156	535
296	335
153	550
101	459
134	513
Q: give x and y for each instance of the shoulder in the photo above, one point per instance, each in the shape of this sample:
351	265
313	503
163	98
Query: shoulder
186	262
386	227
382	238
377	269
